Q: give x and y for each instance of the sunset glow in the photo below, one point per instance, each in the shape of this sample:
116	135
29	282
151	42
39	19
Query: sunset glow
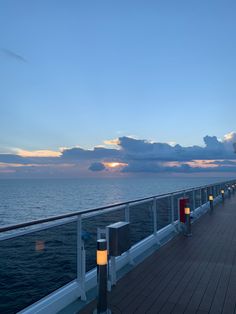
202	164
229	136
114	164
114	141
15	165
38	153
193	164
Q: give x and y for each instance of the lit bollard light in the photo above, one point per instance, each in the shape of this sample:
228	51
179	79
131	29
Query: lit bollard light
188	232
222	194
233	188
229	191
102	277
211	198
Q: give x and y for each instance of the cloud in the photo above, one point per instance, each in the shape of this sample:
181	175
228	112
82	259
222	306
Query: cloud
143	156
225	162
11	158
38	153
78	153
230	137
13	55
130	156
115	165
155	167
97	166
112	142
135	149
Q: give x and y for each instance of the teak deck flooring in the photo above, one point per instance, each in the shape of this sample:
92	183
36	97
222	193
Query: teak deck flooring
187	275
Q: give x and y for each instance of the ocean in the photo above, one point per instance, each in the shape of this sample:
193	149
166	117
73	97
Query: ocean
29	199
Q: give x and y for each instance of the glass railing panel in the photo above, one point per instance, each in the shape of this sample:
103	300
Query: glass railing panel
198	198
163	212
90	226
213	189
216	188
204	195
36	264
189	195
141	221
221	187
176	205
209	192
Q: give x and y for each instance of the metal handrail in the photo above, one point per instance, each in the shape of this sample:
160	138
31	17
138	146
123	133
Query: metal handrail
93	210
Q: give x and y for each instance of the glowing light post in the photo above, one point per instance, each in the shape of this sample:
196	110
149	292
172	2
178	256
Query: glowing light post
233	188
222	194
187	222
211	198
102	277
229	191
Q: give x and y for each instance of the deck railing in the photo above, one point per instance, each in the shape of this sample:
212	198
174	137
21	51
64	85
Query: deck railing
52	260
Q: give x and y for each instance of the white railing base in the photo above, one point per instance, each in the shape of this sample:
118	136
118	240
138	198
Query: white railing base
56	301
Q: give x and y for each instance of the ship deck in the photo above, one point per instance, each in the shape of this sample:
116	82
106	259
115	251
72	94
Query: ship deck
187	275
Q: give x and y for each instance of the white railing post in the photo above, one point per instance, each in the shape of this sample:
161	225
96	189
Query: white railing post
127	216
81	259
172	209
127	219
154	210
172	204
194	200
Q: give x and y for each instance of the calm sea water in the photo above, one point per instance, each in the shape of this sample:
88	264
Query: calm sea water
24	200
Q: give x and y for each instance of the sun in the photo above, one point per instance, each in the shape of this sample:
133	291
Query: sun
114	165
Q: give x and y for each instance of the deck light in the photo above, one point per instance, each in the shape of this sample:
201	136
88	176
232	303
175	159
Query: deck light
102	277
187	211
101	257
211	198
222	194
188	232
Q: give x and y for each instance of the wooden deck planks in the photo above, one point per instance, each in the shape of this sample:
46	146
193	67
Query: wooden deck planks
181	290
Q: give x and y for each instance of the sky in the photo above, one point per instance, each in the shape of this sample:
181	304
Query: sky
77	76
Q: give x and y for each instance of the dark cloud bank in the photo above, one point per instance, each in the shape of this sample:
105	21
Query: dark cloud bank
144	156
97	166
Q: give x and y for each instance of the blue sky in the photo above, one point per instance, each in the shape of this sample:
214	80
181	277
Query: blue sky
76	73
